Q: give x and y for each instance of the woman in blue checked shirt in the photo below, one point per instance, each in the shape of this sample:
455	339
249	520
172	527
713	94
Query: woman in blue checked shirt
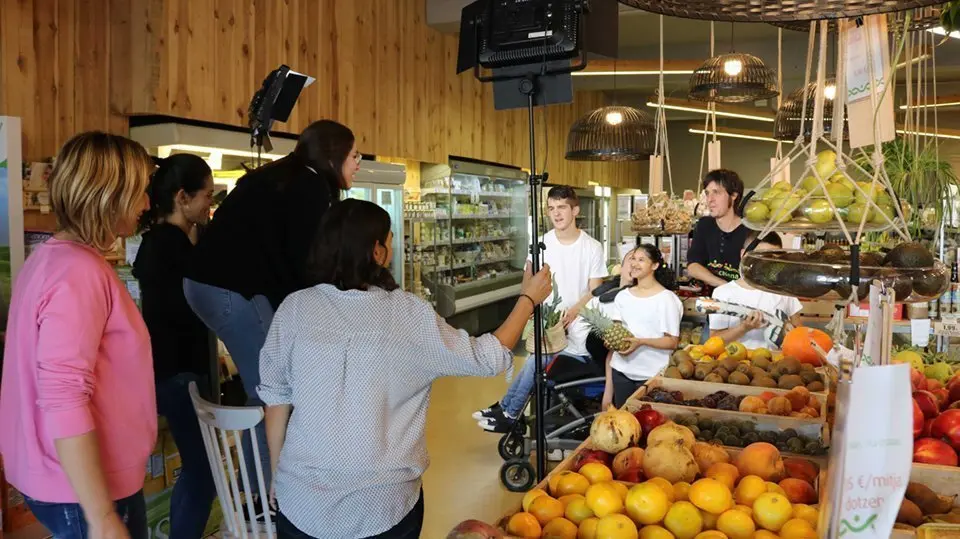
346	372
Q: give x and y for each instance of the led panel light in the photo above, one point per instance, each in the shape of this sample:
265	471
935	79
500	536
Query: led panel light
953	135
740	134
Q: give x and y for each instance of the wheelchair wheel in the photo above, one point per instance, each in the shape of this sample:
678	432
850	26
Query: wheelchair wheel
510	446
517	475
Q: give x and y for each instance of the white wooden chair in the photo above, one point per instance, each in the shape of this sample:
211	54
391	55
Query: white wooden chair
221	427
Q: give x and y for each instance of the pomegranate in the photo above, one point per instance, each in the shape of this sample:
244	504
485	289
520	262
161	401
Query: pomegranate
474	529
917	380
927	402
592	455
946	427
917	420
931	451
632	475
649	419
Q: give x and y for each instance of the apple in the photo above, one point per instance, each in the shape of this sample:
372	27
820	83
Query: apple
943	397
946	427
927	425
917	420
931	451
927	402
917	380
934	384
954	392
649	419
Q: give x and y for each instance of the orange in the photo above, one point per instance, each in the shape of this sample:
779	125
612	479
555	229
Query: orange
619	487
713	347
807	513
524	525
530	496
577	511
736	524
798	528
683	520
711	495
711	534
560	528
764	534
647	504
572	483
566	500
749	489
726	473
546	509
553	481
747	510
588	528
772	511
665	486
775	488
655	532
603	500
709	520
681	491
596	473
617	527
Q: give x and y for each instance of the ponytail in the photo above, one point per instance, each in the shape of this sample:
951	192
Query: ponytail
663	274
181	171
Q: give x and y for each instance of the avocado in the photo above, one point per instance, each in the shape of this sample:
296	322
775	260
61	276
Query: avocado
871	260
672	372
765	273
901	284
909	255
738	378
790	381
806	282
831	254
795	256
929	283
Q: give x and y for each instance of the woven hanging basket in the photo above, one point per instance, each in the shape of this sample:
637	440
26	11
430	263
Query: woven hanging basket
787	124
733	78
921	19
773	10
613	133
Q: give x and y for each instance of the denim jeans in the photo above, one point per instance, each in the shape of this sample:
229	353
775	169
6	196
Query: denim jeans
66	520
513	402
242	325
195	490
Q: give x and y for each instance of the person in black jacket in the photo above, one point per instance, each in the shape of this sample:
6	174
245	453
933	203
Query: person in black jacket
181	192
254	252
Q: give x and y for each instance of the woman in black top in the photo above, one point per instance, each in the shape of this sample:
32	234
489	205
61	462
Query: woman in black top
254	252
181	192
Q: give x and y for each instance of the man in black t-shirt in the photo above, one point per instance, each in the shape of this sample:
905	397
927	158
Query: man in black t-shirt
714	255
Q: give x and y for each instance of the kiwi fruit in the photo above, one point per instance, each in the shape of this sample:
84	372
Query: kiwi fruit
701	371
763	381
745	368
730	364
761	362
807	367
672	372
789	381
714	377
738	378
809	376
790	365
815	386
756	372
722	373
686	369
680	356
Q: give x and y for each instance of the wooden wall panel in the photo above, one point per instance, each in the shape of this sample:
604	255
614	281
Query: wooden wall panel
71	65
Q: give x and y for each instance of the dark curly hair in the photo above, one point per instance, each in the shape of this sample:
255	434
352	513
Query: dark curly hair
342	251
731	183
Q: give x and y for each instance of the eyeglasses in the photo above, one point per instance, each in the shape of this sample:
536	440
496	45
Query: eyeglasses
358	158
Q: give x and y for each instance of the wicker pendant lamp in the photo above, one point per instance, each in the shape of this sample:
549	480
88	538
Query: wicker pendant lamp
775	10
612	133
787	124
920	19
735	77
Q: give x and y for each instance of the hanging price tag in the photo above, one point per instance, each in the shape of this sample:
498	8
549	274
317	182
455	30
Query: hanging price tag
947	328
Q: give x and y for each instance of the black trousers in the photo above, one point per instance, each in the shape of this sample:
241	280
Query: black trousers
408	528
623	387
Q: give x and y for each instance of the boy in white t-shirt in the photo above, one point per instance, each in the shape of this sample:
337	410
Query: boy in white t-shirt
579	266
750	331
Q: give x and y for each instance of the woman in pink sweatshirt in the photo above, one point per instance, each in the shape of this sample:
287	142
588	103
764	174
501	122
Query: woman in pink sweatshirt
78	416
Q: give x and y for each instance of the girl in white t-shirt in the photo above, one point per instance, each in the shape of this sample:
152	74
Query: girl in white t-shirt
651	312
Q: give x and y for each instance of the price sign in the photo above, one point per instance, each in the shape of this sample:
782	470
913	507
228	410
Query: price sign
878	452
947	328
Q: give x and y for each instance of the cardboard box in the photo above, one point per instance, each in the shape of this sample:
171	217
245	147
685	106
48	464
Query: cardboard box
863	310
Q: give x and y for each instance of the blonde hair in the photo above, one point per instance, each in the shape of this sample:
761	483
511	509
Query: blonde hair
97	179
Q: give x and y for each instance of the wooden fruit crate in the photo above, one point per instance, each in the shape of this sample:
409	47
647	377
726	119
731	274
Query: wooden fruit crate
944	480
697	389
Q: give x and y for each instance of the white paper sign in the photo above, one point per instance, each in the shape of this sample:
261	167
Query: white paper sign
871	343
858	70
878	451
920	331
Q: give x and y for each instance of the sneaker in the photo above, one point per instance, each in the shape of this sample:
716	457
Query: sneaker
487	413
501	423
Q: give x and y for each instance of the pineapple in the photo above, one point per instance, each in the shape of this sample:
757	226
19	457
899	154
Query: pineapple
614	335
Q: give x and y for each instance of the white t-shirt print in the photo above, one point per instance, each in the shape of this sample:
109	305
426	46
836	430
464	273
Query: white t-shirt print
732	292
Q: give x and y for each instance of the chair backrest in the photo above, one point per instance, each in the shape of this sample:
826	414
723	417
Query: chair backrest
220	425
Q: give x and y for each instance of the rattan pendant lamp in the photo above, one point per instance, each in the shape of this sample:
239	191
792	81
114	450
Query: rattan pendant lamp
612	133
775	10
734	77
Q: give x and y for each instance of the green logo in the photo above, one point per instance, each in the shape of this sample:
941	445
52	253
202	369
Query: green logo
847	527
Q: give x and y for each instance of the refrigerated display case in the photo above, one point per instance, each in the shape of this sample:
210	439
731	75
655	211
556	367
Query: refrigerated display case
382	184
481	236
